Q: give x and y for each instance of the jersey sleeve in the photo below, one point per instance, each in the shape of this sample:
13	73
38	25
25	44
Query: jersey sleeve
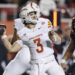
49	25
18	24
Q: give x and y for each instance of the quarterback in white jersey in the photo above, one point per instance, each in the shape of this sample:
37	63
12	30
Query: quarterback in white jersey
37	39
37	34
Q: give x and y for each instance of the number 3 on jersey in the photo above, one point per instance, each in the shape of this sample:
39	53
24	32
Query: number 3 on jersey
38	45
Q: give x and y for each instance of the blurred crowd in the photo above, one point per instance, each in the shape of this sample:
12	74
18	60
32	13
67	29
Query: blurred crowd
65	8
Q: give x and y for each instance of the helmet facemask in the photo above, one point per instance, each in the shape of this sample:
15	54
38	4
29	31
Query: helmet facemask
33	19
24	15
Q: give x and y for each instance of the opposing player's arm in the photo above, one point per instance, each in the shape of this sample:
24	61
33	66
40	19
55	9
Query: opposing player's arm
15	36
69	51
67	55
10	38
15	47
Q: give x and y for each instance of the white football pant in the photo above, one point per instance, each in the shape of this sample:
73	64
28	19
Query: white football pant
47	65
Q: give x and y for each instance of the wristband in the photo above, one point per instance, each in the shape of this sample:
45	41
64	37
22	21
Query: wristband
3	36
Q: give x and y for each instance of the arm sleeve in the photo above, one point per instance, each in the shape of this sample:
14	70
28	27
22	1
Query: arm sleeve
49	27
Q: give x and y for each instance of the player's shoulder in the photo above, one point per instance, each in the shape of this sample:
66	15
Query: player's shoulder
44	20
18	24
17	20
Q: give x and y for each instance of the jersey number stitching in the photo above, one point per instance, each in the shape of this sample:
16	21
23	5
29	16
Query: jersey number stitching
38	45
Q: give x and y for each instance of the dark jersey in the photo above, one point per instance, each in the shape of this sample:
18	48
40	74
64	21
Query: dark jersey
73	36
73	30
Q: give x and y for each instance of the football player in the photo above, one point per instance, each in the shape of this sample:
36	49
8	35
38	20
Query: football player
70	48
38	35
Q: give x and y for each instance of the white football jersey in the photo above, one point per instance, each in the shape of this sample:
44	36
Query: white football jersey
37	39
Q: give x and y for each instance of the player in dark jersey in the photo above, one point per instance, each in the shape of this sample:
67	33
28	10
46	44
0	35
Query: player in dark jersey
70	49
